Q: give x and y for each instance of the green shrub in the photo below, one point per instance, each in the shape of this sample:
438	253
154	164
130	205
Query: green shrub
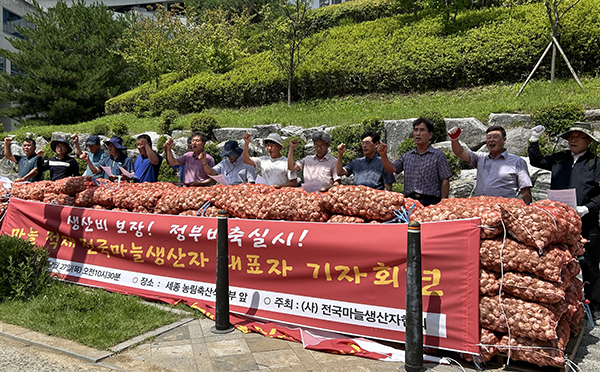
373	124
120	129
161	142
298	151
24	268
81	163
349	134
166	172
212	149
129	141
204	123
456	164
354	12
558	118
167	118
101	129
398	187
19	137
406	145
439	126
44	133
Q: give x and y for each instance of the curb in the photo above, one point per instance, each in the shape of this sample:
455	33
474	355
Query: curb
136	340
74	349
68	347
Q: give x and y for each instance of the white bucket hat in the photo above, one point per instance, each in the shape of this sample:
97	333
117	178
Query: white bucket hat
274	137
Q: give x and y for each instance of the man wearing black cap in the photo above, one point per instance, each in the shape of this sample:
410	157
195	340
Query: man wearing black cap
232	166
95	154
577	168
61	165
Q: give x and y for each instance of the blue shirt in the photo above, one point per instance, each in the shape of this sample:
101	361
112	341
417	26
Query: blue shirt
369	172
95	159
505	175
145	171
122	160
236	172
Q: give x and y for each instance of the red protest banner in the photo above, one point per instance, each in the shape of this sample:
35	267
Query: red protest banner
347	278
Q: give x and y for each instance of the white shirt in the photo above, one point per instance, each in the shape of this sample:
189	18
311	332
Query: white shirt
275	171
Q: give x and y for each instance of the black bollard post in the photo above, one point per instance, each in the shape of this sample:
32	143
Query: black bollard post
414	301
222	284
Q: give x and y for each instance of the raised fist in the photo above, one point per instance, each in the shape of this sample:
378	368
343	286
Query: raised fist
536	132
454	133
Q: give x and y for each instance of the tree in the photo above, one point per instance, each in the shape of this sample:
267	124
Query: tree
180	41
290	38
67	71
556	10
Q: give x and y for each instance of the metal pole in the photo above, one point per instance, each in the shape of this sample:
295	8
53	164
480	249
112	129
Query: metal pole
414	301
222	283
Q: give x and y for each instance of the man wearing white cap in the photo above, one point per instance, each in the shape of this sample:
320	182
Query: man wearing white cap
577	168
273	167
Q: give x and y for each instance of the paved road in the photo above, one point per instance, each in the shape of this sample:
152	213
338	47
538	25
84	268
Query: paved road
19	357
163	354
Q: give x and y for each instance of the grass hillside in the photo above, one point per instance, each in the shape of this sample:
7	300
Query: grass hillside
478	102
392	54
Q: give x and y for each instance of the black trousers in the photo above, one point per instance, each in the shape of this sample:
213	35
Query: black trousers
424	199
589	268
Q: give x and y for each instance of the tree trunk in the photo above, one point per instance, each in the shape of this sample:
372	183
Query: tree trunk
415	8
553	64
290	75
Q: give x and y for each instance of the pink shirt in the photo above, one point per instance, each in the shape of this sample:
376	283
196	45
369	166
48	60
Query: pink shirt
317	170
194	170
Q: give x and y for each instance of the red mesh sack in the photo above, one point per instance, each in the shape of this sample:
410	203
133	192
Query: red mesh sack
488	282
175	201
30	191
209	212
86	197
489	341
293	204
531	288
339	218
537	352
542	224
240	200
521	258
363	202
568	217
60	199
101	207
132	197
154	185
525	319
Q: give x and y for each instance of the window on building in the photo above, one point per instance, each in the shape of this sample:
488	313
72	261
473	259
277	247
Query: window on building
15	70
2	64
11	21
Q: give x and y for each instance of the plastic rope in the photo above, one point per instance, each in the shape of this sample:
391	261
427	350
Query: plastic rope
502	285
203	209
104	184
